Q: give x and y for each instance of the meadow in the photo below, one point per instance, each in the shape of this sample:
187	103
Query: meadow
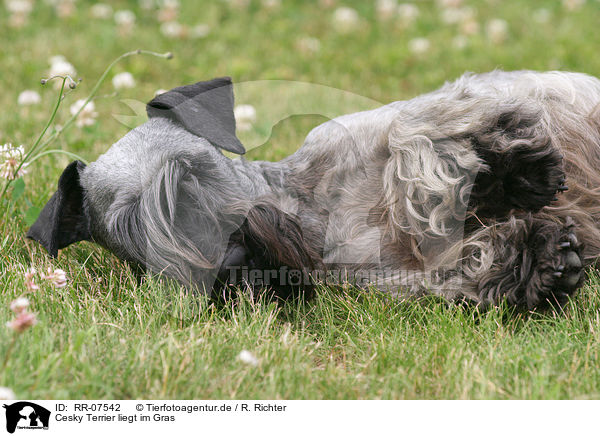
101	333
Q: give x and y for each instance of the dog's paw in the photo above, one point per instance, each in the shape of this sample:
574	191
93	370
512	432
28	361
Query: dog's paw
537	263
560	265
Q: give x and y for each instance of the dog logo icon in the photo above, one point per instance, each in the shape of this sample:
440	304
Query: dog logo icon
26	415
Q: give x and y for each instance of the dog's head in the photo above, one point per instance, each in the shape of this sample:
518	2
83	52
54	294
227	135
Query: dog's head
191	122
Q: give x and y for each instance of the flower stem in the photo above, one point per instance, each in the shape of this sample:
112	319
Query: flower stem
54	151
70	121
35	145
97	87
9	351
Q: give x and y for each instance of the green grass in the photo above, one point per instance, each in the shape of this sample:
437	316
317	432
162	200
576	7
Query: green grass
107	336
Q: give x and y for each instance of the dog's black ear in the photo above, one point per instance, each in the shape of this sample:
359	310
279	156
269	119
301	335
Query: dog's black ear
63	220
204	109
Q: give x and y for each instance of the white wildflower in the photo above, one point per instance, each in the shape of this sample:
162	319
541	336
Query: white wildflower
345	19
168	11
123	80
572	5
248	358
29	279
407	13
172	29
271	4
542	15
245	116
65	8
19	6
147	4
22	322
59	66
19	11
7	394
11	158
200	31
450	3
28	97
102	11
419	45
497	30
19	305
87	116
308	45
58	277
386	9
455	16
159	92
125	20
469	27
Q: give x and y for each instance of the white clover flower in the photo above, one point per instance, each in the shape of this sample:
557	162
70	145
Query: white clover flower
173	4
65	8
271	4
28	97
123	80
469	27
11	158
146	4
419	45
200	31
407	13
19	11
29	279
542	15
572	5
168	11
159	92
58	277
21	7
7	394
19	305
449	3
454	16
22	322
345	19
56	58
497	30
87	116
308	45
101	11
172	29
245	116
59	66
248	358
386	9
125	20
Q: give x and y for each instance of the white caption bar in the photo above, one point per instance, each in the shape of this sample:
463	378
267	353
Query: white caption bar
151	417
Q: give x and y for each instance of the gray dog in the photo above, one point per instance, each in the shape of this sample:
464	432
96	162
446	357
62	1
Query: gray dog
453	193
